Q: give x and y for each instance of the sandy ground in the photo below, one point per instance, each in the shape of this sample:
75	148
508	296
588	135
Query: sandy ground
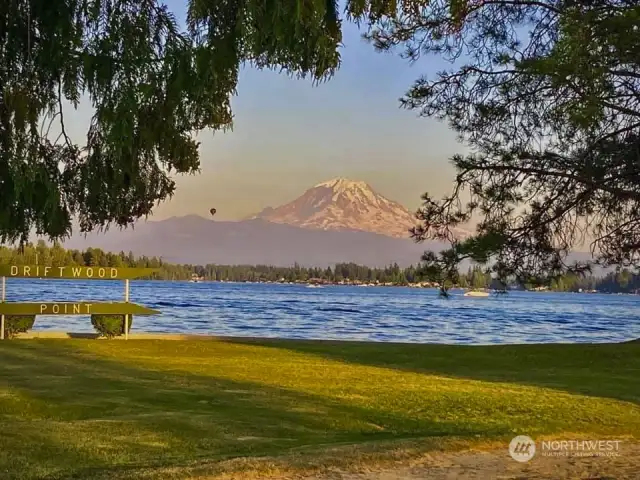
498	465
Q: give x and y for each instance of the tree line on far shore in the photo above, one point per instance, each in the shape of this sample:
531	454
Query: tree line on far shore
477	277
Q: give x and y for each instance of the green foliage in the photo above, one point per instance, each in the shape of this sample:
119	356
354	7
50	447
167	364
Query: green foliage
152	85
547	96
110	326
55	255
14	324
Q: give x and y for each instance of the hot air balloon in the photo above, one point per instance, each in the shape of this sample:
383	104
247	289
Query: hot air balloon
212	211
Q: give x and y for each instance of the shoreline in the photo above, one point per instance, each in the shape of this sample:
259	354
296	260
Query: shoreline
59	334
314	284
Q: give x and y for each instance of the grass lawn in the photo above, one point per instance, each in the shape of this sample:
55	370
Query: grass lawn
92	409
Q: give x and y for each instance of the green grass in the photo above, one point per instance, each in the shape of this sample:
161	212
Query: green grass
92	409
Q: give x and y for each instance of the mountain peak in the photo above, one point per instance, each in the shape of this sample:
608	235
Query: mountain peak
343	204
341	184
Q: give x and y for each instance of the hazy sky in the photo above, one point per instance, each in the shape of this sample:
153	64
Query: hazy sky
289	135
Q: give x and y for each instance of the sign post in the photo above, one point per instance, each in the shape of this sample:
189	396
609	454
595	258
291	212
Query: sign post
4	281
126	316
125	308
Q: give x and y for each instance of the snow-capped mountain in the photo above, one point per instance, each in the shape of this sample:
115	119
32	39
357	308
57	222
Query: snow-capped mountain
343	204
333	222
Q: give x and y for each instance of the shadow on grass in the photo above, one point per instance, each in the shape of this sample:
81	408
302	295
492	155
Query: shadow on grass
600	370
66	413
92	336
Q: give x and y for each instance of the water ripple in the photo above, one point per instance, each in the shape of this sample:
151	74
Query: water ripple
380	314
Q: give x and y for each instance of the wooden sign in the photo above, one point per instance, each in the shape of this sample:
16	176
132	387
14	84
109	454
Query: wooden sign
74	308
85	273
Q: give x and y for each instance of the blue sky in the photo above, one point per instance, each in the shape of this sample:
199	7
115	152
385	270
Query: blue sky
289	135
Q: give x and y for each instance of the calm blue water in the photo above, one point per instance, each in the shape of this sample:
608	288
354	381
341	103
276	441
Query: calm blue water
340	312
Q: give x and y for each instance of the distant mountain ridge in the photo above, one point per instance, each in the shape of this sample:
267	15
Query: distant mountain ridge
198	240
343	204
338	221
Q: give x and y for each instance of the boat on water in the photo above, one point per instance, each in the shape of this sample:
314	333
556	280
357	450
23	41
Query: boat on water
476	293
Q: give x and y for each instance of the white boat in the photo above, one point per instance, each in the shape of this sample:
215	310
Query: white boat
476	293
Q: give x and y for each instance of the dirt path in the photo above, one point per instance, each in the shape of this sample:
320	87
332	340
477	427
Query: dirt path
498	465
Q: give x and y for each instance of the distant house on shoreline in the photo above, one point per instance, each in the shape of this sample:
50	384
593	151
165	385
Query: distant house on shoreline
195	278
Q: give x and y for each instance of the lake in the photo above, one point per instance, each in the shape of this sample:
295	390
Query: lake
343	312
